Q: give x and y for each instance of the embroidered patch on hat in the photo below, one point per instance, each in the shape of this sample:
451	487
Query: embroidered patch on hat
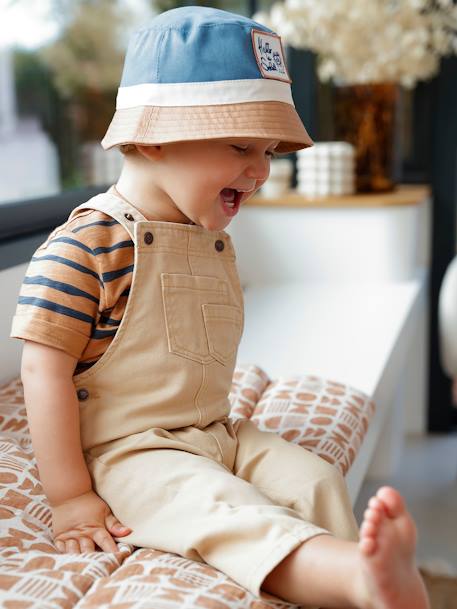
269	55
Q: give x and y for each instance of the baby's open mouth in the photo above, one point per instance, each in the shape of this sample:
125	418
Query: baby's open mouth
230	198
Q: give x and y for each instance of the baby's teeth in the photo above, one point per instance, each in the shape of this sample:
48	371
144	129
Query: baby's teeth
228	194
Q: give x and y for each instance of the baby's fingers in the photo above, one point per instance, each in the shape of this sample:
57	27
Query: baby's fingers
116	528
75	546
87	544
79	543
104	541
72	546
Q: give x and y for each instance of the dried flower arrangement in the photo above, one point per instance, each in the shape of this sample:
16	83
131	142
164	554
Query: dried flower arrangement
363	41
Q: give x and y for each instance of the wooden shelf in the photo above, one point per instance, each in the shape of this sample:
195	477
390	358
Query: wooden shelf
404	194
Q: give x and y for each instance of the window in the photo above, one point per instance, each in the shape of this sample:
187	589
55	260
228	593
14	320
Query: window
59	74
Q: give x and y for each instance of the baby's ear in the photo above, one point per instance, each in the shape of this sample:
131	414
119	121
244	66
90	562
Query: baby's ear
127	148
152	152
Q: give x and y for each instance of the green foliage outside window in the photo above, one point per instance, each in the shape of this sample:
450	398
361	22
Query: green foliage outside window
70	84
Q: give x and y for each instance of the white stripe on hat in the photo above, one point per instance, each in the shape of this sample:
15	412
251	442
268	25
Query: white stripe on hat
204	93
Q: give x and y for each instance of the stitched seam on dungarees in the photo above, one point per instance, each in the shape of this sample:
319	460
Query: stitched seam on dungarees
231	272
176	250
203	367
229	256
217	290
197	395
183	228
217	442
173	315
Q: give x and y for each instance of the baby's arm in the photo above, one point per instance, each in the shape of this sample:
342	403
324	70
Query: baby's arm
80	517
53	416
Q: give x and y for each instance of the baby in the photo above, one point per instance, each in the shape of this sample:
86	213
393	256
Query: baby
132	312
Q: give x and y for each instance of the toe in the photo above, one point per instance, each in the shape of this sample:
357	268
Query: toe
372	515
367	546
375	503
392	501
368	529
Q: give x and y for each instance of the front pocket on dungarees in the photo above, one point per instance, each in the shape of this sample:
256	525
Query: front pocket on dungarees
223	330
200	323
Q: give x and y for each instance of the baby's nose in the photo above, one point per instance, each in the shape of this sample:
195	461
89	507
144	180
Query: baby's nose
258	169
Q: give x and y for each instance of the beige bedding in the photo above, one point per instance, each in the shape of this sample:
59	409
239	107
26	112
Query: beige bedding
328	418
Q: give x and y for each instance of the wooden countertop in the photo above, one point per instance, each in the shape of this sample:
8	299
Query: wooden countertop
404	194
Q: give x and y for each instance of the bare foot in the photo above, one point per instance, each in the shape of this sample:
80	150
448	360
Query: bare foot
390	578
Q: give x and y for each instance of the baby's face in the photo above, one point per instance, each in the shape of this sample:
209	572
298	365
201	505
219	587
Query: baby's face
195	174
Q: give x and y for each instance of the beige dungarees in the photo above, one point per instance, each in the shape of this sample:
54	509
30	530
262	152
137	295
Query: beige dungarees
217	491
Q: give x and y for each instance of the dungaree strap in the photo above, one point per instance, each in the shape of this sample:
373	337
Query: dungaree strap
115	207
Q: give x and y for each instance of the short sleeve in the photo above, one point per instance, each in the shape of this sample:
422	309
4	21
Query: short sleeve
59	299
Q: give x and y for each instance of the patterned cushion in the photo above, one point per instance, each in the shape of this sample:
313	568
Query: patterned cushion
325	417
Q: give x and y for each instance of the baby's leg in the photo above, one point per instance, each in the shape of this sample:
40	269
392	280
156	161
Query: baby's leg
378	572
295	478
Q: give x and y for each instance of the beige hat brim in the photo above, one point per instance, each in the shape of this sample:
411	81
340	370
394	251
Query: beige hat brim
161	124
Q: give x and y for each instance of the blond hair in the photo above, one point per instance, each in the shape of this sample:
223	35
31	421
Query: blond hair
127	148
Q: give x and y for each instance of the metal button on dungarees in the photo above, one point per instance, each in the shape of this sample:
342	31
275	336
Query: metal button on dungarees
219	245
148	238
128	217
83	394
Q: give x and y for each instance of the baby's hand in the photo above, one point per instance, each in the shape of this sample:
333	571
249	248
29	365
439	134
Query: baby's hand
81	522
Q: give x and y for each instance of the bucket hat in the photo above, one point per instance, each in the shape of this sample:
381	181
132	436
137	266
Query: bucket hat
198	73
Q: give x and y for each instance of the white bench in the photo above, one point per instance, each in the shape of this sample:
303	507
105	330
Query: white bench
367	336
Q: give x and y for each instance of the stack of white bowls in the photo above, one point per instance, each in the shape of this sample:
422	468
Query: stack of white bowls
280	179
327	168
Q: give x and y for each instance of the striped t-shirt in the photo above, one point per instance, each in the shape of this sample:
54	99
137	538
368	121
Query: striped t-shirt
76	287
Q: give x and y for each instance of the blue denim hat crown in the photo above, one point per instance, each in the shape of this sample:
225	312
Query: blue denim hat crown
199	44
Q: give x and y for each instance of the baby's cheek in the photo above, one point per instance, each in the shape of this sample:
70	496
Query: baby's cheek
251	194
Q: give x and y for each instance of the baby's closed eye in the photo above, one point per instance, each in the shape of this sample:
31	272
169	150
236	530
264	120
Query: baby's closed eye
269	153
